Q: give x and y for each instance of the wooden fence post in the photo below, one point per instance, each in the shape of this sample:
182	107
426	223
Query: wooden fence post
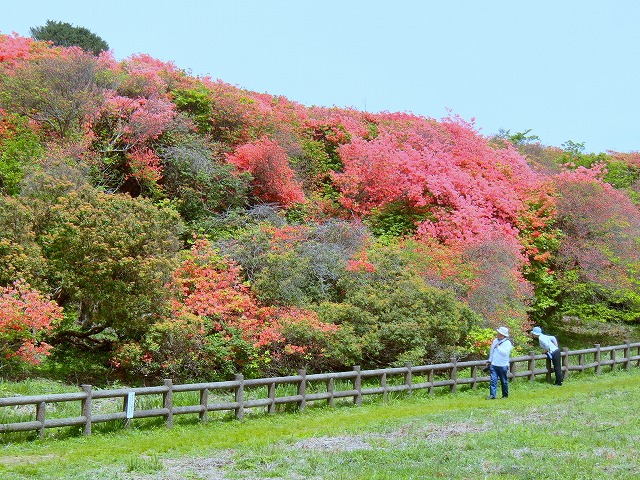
565	363
597	359
204	401
431	387
239	396
474	376
383	384
614	359
167	402
125	407
627	355
408	377
302	389
454	375
330	387
531	366
86	409
40	417
548	365
272	397
357	386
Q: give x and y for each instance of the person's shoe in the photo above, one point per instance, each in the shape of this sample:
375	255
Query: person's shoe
491	398
505	396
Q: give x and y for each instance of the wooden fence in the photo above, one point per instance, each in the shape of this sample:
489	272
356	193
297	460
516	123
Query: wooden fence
241	394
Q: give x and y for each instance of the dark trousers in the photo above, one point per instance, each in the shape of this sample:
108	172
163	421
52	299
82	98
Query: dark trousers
556	360
500	373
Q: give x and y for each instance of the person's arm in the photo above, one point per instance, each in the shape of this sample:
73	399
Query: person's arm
549	345
541	343
545	343
491	352
505	347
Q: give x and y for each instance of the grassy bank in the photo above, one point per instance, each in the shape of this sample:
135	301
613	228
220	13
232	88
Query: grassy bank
588	428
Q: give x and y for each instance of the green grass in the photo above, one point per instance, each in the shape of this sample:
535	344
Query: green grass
588	428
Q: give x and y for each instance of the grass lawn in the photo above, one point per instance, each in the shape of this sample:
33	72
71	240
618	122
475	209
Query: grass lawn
588	428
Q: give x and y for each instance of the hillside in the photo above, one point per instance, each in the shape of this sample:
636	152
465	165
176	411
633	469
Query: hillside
155	224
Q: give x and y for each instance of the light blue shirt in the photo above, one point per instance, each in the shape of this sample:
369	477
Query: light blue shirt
548	343
500	351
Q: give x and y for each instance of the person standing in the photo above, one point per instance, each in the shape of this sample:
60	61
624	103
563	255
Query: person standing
549	344
499	363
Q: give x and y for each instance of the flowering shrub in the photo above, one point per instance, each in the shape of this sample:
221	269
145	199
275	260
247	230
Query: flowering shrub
598	259
15	49
218	328
26	316
273	179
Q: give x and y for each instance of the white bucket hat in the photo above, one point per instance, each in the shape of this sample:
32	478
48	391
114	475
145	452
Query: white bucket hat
503	331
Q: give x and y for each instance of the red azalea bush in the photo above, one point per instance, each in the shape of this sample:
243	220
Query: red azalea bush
273	178
26	316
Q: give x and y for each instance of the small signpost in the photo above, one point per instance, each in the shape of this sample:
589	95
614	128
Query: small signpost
131	398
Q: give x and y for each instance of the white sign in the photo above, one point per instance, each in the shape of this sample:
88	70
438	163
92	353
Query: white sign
131	399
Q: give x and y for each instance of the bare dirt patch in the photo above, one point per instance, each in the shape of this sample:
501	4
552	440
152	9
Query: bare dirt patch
339	444
25	459
196	468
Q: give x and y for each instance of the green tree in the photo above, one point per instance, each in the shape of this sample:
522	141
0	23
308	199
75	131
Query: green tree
396	316
295	265
20	255
396	219
26	216
19	147
111	257
201	185
196	104
518	139
66	35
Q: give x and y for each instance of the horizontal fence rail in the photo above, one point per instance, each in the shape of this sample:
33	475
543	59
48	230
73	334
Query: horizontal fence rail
241	394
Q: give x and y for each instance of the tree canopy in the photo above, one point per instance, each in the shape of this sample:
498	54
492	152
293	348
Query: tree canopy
64	34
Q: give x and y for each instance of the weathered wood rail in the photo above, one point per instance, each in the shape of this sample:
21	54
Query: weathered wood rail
241	394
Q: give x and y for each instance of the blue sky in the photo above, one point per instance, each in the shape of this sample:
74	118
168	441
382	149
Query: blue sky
566	69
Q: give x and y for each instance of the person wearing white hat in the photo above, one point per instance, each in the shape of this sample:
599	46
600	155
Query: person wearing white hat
549	344
499	363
